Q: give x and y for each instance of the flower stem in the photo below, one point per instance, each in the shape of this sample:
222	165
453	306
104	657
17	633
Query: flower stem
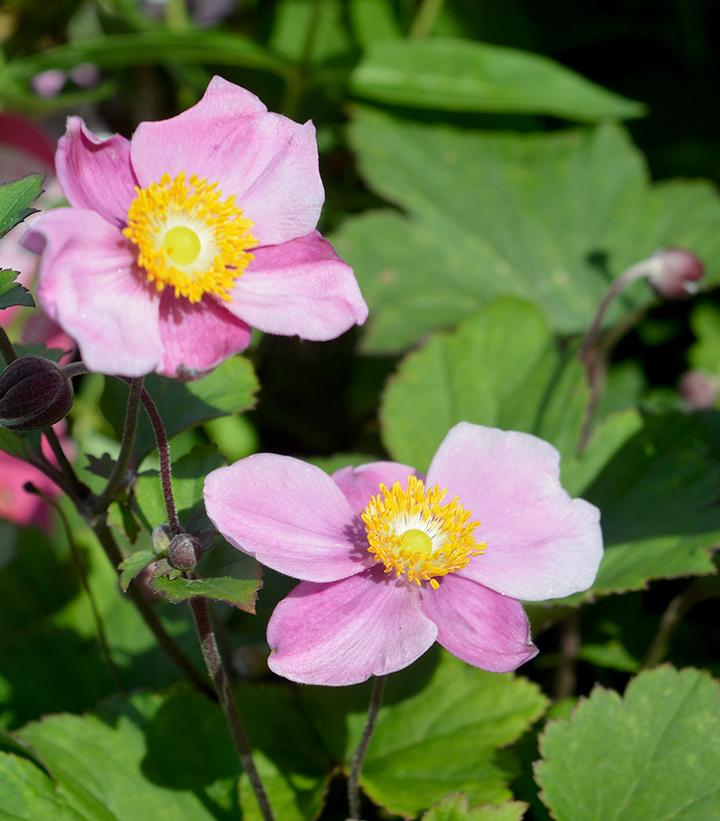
119	473
356	767
176	655
592	355
165	463
6	347
297	77
425	19
218	674
77	490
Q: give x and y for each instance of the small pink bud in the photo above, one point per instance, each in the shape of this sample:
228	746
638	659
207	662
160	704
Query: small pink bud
49	83
34	393
698	389
675	273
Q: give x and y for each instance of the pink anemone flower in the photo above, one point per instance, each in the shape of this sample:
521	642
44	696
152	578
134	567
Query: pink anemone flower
183	237
391	563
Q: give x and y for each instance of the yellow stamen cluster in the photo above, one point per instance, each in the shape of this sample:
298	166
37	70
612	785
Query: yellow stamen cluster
414	534
189	237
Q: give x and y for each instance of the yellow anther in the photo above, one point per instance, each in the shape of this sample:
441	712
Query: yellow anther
415	535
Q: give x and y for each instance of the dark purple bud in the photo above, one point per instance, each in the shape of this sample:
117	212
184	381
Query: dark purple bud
675	273
34	393
184	551
698	389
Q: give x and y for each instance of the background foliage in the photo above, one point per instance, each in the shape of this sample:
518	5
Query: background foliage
490	169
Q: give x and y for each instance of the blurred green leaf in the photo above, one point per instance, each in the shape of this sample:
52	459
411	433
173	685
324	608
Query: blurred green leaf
456	808
11	292
374	20
16	199
502	368
27	794
134	565
439	730
452	74
299	22
654	753
229	389
553	218
224	574
12	443
704	354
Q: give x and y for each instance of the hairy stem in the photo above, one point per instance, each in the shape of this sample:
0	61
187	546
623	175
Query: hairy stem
78	491
425	18
165	463
356	767
218	674
127	443
570	641
168	644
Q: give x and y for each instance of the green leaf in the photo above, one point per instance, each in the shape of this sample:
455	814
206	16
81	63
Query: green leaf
12	443
634	468
15	201
501	368
27	794
149	756
157	46
704	354
451	74
654	753
455	808
224	574
552	218
133	566
374	20
11	292
438	731
293	19
229	389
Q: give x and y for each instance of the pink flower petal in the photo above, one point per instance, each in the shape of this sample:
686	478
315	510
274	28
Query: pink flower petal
478	625
360	483
24	148
541	543
197	337
269	162
344	632
301	287
96	174
15	504
90	287
290	515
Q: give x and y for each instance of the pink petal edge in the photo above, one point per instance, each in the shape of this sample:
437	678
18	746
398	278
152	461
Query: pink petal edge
347	631
542	544
288	514
360	483
478	625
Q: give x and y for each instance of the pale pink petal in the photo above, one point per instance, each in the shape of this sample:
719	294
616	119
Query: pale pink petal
91	288
360	483
197	336
301	287
541	543
96	174
478	625
288	514
346	631
269	162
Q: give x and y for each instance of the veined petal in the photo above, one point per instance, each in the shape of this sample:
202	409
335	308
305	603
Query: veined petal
360	483
346	631
300	287
478	625
96	174
89	285
197	336
541	544
290	515
269	162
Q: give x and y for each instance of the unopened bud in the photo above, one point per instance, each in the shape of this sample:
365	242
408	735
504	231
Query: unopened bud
675	273
34	393
184	551
699	389
161	540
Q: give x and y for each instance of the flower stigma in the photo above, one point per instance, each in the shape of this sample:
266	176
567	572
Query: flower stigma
189	237
415	535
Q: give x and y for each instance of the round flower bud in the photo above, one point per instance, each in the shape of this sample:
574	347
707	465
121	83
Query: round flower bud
34	393
184	551
675	273
698	389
